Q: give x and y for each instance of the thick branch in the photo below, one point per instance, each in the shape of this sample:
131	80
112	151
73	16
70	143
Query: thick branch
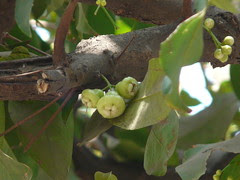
99	54
152	11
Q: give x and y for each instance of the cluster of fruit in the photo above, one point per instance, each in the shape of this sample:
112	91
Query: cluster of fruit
217	175
112	103
224	48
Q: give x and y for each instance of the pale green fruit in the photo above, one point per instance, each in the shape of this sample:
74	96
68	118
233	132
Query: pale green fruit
226	49
111	106
224	58
209	23
218	54
127	88
20	50
104	176
228	40
90	97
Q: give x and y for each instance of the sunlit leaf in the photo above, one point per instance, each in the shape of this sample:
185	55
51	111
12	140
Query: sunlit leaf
194	165
232	170
228	5
149	106
53	150
183	47
161	145
22	15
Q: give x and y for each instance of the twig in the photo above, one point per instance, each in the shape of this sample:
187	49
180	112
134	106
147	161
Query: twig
33	139
59	54
30	117
7	35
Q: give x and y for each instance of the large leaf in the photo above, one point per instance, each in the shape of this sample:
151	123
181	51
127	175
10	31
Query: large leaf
183	47
209	125
235	73
10	169
160	146
149	106
195	162
82	25
22	15
94	127
228	5
232	170
39	6
53	150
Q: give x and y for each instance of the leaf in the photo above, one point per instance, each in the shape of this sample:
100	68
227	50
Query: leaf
209	125
234	74
22	15
161	145
183	47
200	4
53	150
39	6
82	24
232	170
10	169
188	100
149	106
54	5
194	165
104	176
94	127
228	5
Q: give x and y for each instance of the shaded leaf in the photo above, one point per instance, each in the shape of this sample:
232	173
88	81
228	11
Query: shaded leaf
194	165
149	106
232	170
39	6
161	145
55	4
209	125
53	150
94	127
183	47
10	169
82	24
188	100
228	5
22	15
200	4
235	74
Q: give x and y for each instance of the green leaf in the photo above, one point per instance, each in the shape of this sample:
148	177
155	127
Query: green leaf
228	5
10	169
200	4
94	127
235	74
232	170
54	5
183	47
161	145
149	106
22	15
188	100
53	150
39	6
82	24
209	125
195	162
104	176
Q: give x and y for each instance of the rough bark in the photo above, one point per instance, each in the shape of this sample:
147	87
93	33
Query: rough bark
100	55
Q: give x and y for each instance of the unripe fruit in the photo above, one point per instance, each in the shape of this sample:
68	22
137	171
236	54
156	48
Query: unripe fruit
224	58
104	176
228	40
218	54
111	105
127	88
209	23
90	97
226	49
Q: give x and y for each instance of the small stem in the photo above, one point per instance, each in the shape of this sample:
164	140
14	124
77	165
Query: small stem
215	40
109	17
29	46
96	11
109	85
